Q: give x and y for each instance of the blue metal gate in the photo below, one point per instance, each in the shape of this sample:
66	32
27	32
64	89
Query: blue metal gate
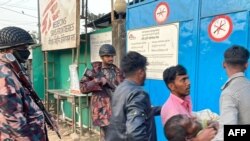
199	50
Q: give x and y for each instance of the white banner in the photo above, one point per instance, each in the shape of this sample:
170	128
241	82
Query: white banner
96	40
59	24
159	44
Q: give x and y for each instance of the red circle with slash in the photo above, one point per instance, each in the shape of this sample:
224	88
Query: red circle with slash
161	12
220	28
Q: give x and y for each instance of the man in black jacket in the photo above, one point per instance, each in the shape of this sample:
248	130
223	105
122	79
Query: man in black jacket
132	114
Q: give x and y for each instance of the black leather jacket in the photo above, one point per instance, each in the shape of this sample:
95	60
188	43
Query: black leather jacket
132	115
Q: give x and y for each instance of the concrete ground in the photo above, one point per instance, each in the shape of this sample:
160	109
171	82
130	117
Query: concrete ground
67	135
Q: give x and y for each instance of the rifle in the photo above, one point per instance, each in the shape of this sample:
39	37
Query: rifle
21	76
91	75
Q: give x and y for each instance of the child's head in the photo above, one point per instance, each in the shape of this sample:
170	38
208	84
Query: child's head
181	128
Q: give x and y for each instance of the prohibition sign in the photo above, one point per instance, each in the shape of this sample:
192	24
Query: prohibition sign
161	12
220	28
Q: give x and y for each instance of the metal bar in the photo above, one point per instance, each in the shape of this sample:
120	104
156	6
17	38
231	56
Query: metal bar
73	114
112	11
57	108
73	54
89	113
82	16
86	34
46	80
77	54
80	114
53	72
38	15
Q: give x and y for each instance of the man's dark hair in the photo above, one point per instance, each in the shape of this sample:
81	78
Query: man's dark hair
133	61
170	74
236	55
173	129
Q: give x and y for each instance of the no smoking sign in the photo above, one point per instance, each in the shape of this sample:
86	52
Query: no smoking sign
220	28
161	12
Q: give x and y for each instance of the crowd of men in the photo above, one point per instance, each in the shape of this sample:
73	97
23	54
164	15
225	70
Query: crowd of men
119	104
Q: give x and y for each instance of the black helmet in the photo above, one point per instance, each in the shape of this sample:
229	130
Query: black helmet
14	36
107	49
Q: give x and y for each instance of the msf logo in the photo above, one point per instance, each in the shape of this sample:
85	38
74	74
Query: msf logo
237	132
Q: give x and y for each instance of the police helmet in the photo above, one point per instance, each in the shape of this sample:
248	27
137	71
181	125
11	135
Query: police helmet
14	36
107	49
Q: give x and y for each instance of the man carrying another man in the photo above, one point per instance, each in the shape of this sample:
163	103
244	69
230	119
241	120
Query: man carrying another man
179	101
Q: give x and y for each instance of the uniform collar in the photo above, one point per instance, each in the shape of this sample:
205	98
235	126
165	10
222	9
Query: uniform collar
131	82
236	75
106	67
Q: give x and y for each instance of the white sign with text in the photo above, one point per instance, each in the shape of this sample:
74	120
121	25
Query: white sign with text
96	40
159	44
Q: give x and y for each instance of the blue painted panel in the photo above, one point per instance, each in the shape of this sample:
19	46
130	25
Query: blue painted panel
197	52
211	75
187	53
158	93
143	15
215	7
157	89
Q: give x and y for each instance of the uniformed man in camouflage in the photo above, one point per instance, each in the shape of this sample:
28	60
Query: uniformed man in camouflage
20	117
105	72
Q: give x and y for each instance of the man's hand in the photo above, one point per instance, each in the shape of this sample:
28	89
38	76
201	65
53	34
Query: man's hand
213	124
206	134
101	80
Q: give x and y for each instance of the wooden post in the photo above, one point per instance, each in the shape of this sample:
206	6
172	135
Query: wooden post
119	39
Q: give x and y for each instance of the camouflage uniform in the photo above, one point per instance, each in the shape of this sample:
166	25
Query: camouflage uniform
20	117
101	98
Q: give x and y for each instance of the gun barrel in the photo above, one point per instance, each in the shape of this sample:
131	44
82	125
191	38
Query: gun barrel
25	82
50	123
